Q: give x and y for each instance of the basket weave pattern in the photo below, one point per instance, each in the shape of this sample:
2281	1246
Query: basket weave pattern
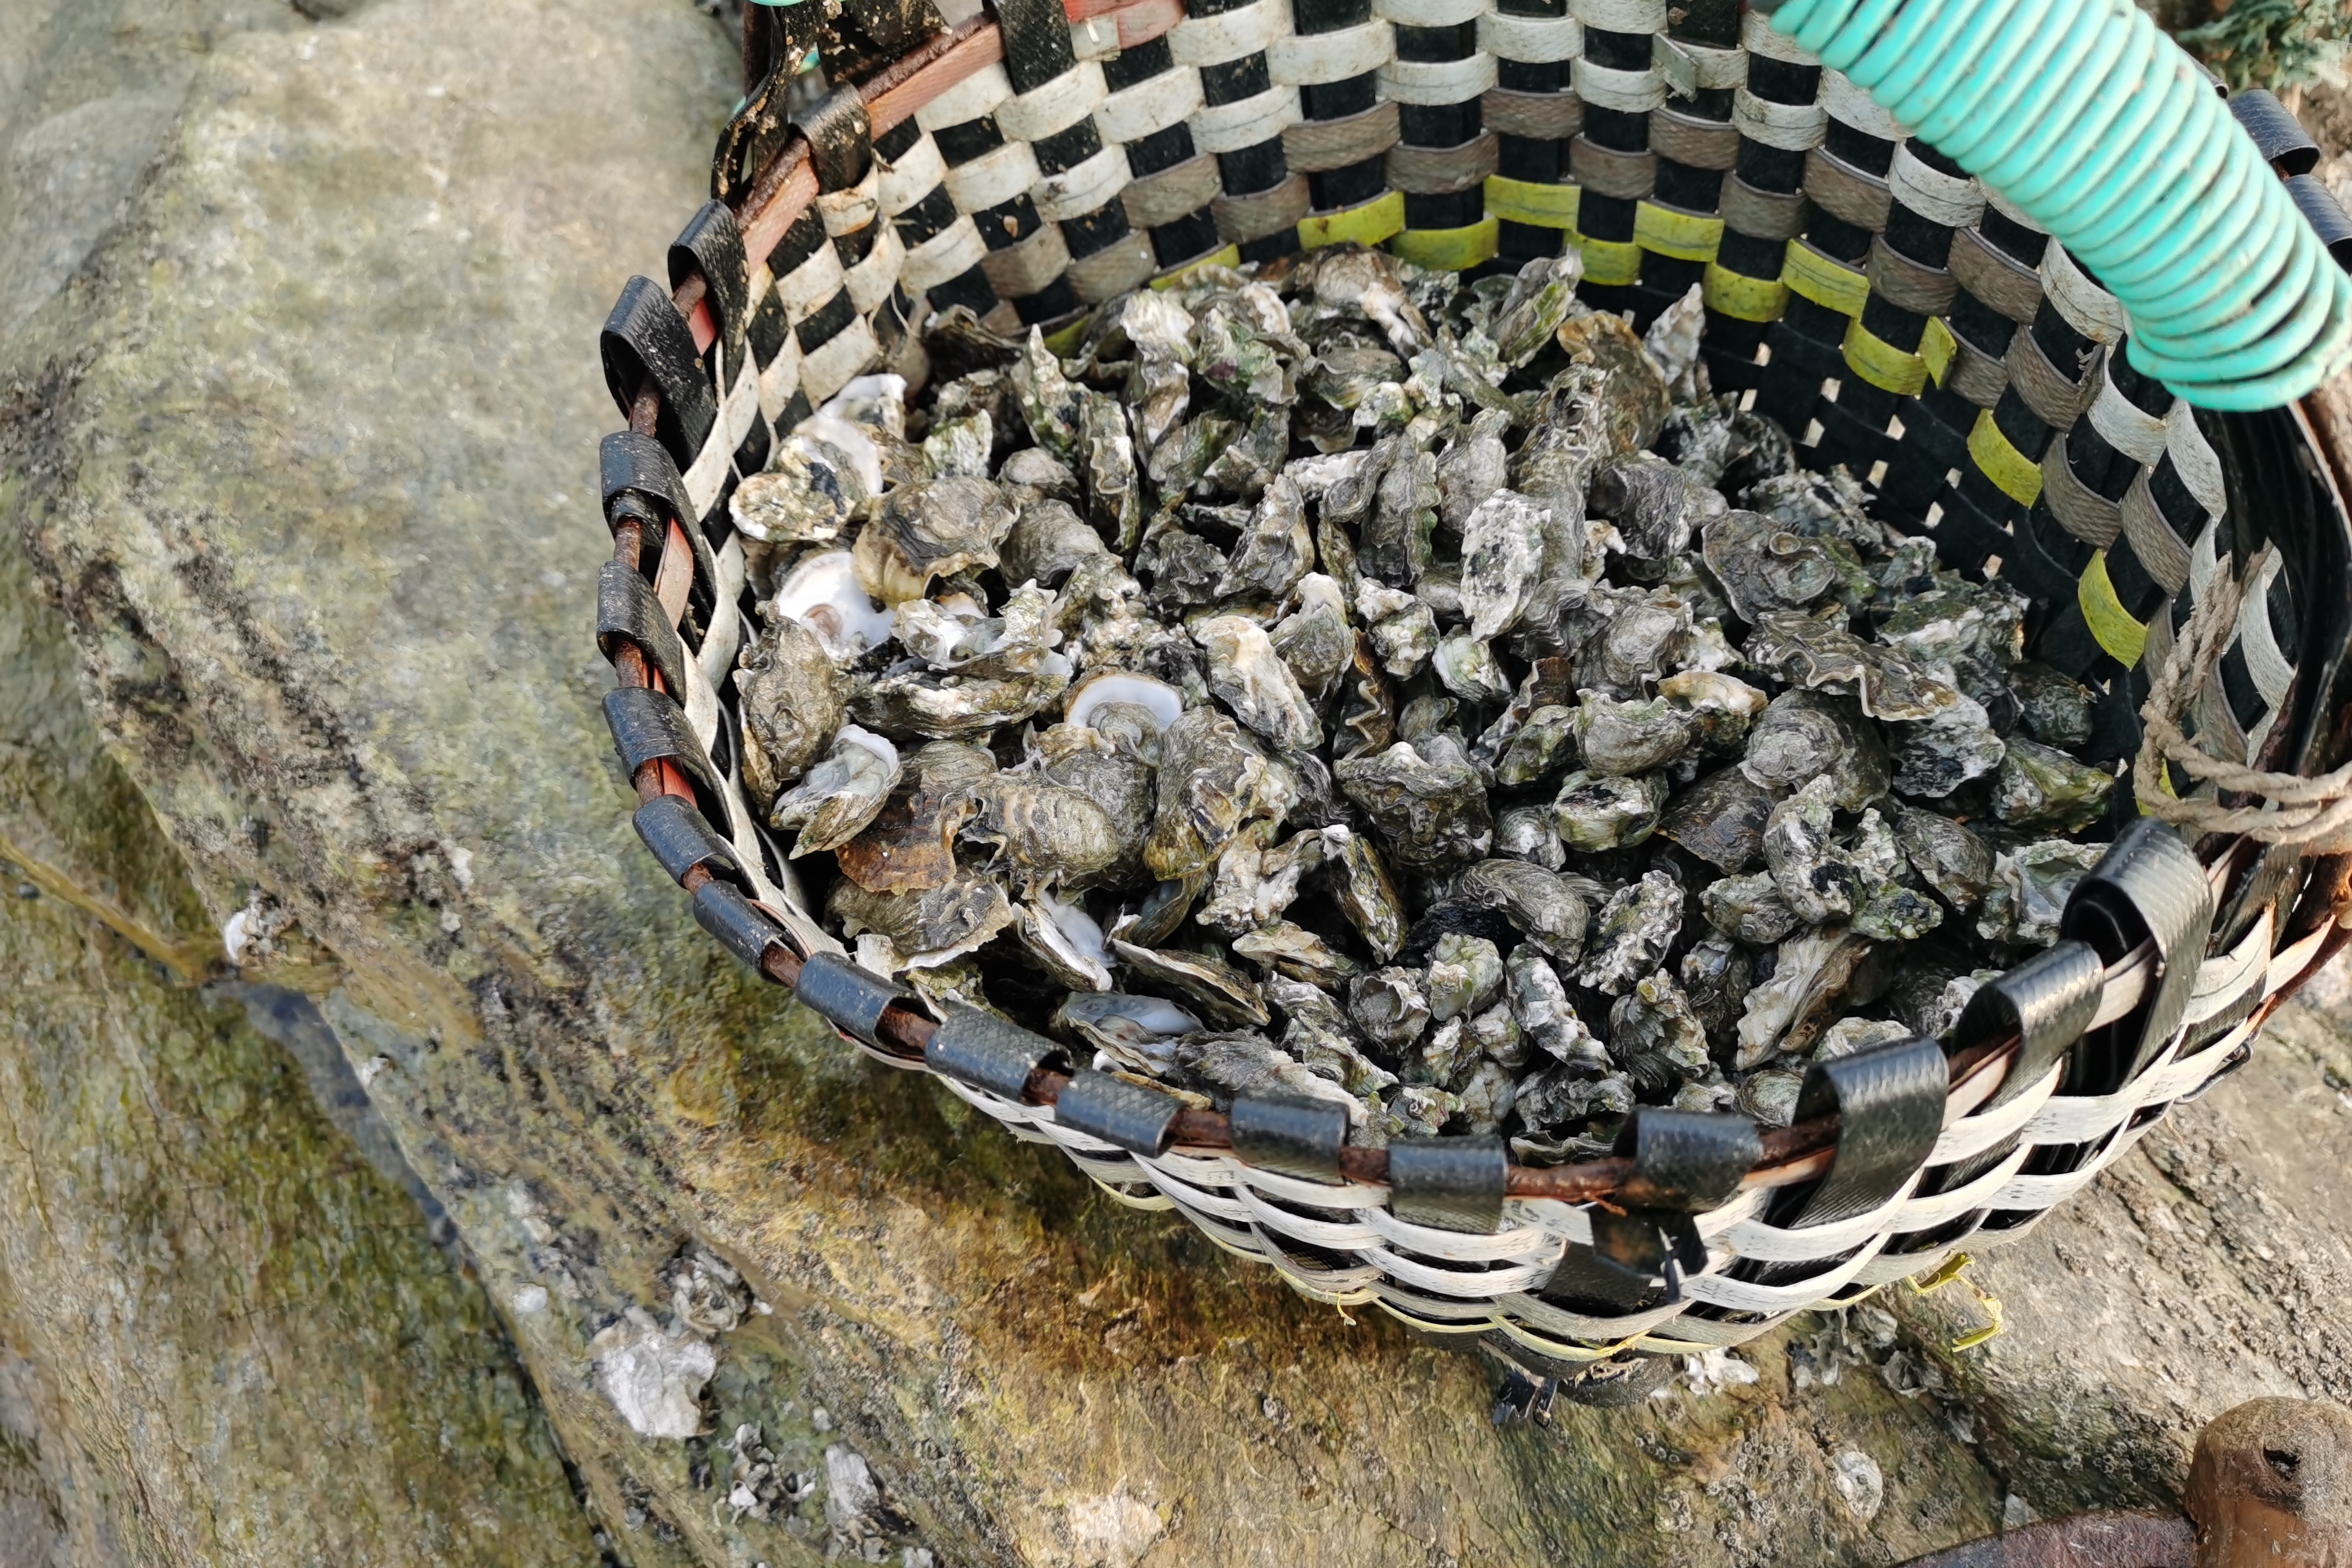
1894	316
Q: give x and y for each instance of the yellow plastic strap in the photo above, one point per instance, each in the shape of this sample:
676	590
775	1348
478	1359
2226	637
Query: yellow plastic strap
2019	476
1231	256
1685	237
1455	249
1374	222
1881	363
2110	623
1065	342
1609	261
1529	202
1745	298
1937	346
1826	283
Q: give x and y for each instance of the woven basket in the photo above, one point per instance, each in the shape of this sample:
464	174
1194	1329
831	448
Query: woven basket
1895	317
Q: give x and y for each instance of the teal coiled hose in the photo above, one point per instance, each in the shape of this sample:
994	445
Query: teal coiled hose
2086	118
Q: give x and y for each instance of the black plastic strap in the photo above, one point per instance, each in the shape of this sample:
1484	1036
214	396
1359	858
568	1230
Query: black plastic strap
681	839
711	246
1139	1120
634	467
840	138
626	609
720	909
648	726
645	339
1889	1101
850	998
2325	214
1689	1161
776	39
2047	1002
2148	885
1637	1259
986	1051
1449	1183
1298	1138
1037	42
2285	144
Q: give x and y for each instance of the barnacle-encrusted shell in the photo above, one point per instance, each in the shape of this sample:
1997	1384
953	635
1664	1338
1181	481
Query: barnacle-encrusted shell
1046	833
1636	926
1803	736
1248	677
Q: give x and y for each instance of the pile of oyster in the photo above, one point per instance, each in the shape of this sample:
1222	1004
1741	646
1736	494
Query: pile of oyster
1344	681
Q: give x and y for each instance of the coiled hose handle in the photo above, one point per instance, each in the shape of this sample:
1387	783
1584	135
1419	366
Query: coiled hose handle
2088	117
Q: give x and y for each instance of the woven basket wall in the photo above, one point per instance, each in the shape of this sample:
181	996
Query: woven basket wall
1894	316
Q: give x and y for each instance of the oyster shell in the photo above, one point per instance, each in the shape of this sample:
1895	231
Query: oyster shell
822	592
2041	787
923	531
1221	990
1046	835
1721	819
1046	542
1502	556
1636	926
1249	677
1622	739
793	700
908	845
1803	736
1138	1033
929	926
1947	855
1429	803
841	794
1594	811
1211	780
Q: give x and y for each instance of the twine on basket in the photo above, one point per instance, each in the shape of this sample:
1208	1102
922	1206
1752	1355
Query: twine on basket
2292	810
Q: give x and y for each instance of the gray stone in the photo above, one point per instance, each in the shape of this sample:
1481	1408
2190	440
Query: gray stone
305	451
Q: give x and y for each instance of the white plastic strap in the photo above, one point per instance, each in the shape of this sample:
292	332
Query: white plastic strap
846	355
1745	1296
1757	36
1471	1285
2269	670
2128	428
1532	40
2193	459
1096	39
1229	35
950	253
870	281
1427	12
1230	127
974	96
2088	309
1792	127
913	175
1342	1234
1972	1135
1621	15
1695	68
1053	107
1527	1243
1772	1244
1150	106
1310	60
1632	92
846	212
1851	106
1438	81
993	178
1927	1213
811	283
781	377
1081	189
1954	201
2223	979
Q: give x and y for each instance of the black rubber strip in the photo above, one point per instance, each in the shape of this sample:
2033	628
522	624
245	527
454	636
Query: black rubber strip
645	339
648	726
1691	1161
681	839
626	609
1297	1137
711	246
1449	1183
1139	1120
1889	1101
850	998
986	1051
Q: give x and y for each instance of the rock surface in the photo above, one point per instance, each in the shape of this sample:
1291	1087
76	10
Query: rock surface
304	450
